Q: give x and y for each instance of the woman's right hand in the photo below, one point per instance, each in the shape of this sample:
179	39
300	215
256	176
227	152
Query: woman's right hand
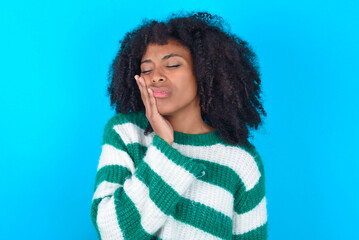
161	126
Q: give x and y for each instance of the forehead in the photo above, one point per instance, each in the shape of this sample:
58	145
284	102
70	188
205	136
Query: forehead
154	50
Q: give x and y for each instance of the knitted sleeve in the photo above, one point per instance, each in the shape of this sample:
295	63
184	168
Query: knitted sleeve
250	208
131	203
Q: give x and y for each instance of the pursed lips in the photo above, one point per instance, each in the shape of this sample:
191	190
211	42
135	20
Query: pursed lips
161	92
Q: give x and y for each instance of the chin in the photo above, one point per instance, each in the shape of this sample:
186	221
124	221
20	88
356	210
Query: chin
165	111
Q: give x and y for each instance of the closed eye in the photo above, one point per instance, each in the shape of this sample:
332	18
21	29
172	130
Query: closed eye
173	66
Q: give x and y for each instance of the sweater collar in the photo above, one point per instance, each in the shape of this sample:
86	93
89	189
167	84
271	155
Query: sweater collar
204	139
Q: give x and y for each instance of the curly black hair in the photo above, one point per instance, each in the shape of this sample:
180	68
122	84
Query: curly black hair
221	60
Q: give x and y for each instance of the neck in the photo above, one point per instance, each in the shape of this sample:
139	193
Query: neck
189	121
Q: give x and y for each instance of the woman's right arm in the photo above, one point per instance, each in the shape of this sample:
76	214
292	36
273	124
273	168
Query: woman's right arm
131	203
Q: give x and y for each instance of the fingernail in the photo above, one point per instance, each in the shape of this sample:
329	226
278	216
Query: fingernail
136	77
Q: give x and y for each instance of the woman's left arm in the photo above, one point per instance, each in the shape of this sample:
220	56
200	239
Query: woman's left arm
250	208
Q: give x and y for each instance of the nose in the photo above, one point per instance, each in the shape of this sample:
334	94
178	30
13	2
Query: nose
157	76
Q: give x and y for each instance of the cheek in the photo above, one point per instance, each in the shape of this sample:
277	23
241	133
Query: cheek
188	89
191	84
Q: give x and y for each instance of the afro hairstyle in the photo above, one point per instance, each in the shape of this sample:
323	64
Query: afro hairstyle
225	68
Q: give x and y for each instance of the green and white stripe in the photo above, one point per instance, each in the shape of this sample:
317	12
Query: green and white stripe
198	188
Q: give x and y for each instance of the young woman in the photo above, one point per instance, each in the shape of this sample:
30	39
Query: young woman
176	162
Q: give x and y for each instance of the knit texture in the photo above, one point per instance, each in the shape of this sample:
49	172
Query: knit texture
198	188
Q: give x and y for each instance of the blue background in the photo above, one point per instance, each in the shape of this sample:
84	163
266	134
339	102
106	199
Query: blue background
54	61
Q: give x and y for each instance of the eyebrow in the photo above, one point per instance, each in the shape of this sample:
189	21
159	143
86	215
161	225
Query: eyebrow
164	57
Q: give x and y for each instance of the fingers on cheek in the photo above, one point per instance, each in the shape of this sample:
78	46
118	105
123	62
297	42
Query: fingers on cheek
149	96
153	100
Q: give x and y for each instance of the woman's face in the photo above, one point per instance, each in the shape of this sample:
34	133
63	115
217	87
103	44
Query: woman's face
169	68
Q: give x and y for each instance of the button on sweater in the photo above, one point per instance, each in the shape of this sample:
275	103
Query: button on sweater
197	188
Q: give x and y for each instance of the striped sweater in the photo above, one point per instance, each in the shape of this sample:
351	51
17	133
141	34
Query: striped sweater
197	188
